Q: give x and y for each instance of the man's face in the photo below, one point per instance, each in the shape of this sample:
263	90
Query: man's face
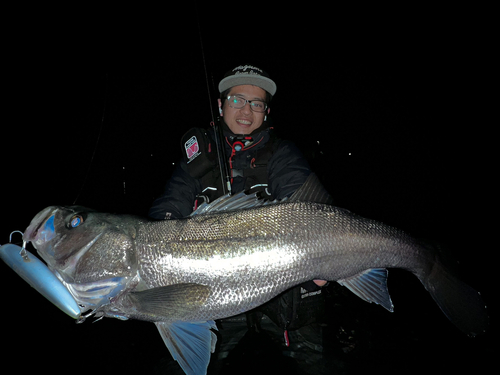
244	120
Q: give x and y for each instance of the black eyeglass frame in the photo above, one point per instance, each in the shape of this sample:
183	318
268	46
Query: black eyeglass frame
245	103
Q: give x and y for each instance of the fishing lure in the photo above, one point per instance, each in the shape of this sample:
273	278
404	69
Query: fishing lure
35	272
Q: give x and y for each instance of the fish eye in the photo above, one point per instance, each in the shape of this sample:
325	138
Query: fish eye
76	220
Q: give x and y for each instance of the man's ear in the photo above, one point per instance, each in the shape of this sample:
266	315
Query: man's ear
220	107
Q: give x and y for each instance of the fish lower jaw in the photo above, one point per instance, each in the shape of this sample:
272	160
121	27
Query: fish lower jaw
95	296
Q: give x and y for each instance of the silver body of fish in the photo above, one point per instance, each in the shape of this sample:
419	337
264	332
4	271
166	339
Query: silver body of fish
184	274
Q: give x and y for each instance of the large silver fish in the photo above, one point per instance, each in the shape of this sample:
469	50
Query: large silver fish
184	274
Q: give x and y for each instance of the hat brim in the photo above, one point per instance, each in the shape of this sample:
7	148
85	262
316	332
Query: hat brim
264	83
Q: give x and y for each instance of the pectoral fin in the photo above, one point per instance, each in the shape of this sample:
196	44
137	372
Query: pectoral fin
170	301
371	286
190	344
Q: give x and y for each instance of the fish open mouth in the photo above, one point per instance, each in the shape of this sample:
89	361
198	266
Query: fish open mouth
41	228
36	273
74	300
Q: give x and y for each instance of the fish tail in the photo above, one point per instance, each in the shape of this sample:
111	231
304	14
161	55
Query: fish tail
461	304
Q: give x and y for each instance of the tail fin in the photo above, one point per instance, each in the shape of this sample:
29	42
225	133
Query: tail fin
459	302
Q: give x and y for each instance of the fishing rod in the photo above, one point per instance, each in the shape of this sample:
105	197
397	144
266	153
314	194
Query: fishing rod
219	135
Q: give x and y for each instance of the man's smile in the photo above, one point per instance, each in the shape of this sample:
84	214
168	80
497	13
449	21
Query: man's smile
244	122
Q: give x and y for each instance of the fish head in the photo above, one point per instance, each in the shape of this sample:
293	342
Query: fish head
93	253
56	235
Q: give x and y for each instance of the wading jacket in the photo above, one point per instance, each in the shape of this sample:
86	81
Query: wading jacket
262	163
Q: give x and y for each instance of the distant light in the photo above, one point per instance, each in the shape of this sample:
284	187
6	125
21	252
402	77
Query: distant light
350	154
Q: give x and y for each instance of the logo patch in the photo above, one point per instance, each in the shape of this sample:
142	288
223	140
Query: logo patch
192	148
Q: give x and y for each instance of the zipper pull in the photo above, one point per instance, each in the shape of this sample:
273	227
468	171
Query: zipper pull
285	335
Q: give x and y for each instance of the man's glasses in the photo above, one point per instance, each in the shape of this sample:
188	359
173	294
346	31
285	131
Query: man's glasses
239	102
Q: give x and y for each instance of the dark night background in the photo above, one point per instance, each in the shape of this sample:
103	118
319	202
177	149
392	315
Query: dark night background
388	110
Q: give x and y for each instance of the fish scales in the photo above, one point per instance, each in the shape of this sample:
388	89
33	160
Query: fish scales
248	257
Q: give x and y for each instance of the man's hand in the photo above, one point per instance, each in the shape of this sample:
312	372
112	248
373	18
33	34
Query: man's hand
320	282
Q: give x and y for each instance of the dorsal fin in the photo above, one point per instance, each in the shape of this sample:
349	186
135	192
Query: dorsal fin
312	191
229	202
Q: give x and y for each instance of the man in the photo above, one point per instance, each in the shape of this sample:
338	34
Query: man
257	162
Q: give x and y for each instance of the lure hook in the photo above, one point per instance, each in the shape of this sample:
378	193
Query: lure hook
16	231
23	252
82	318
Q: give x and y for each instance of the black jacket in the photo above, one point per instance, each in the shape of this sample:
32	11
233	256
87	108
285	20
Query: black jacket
286	171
